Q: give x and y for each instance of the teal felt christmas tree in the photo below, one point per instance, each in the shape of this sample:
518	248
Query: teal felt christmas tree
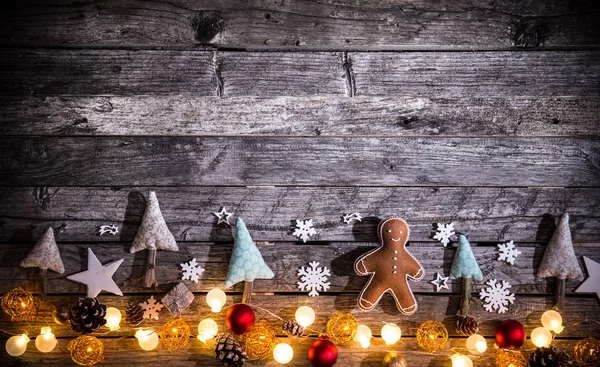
246	262
465	266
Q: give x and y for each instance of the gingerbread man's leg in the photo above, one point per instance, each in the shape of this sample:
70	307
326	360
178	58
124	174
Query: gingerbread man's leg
371	293
404	298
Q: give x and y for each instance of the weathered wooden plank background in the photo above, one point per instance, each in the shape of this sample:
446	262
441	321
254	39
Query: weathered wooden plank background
484	114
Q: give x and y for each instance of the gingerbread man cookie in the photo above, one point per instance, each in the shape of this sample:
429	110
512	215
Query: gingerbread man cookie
390	266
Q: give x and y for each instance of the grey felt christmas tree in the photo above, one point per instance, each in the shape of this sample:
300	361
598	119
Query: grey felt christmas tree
153	235
465	266
45	256
559	260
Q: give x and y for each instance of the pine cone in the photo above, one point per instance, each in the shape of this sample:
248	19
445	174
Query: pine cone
230	352
134	314
87	315
467	325
292	328
549	357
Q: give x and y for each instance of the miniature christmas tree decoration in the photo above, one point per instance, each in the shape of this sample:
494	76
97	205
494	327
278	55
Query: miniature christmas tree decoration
465	266
45	256
98	277
153	235
246	264
559	260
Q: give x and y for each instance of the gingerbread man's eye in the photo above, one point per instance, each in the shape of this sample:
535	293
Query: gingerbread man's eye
389	230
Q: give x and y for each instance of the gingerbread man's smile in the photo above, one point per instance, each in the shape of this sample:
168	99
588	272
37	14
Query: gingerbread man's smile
396	240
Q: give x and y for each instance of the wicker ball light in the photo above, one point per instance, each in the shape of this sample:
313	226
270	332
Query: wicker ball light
86	350
509	358
432	335
260	341
175	334
587	352
341	328
19	304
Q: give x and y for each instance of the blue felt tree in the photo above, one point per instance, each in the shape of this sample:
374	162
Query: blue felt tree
246	262
465	266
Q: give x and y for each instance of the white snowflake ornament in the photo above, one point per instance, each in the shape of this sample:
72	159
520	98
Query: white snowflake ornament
443	233
191	270
304	229
497	296
151	308
313	279
508	252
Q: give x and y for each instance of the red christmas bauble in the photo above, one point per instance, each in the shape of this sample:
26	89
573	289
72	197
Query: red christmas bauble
510	334
322	353
240	318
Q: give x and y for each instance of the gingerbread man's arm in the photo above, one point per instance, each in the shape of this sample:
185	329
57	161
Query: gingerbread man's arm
413	268
366	264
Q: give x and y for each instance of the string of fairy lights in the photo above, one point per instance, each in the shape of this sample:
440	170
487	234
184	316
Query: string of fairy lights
261	342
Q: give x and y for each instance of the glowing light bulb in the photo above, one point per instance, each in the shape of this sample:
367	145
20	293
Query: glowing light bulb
113	318
207	329
459	360
305	316
46	341
17	345
363	336
476	344
541	337
552	321
216	299
147	338
283	353
391	333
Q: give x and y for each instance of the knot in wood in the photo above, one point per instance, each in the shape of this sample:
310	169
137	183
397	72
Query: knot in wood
206	25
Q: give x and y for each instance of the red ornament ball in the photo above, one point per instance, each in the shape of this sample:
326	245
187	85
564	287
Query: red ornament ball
510	334
240	318
323	353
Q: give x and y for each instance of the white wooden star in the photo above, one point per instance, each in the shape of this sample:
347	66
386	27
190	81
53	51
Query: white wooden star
592	283
223	216
98	277
440	282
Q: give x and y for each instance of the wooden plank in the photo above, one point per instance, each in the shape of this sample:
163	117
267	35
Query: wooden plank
389	24
198	73
127	352
284	259
490	214
458	74
170	161
302	116
580	315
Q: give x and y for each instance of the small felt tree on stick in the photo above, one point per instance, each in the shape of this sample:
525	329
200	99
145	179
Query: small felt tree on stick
559	260
153	235
45	255
465	266
246	264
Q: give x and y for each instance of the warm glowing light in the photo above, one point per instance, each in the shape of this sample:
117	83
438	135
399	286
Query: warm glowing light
207	329
552	321
363	336
147	338
113	318
305	316
391	333
216	299
283	353
46	341
17	345
541	337
459	360
476	344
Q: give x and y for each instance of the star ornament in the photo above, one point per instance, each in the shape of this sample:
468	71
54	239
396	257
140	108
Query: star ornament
223	216
592	283
98	277
440	282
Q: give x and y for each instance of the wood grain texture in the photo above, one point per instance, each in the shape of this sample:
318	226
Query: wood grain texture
389	24
284	259
301	116
180	161
456	74
270	74
580	315
197	354
490	214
